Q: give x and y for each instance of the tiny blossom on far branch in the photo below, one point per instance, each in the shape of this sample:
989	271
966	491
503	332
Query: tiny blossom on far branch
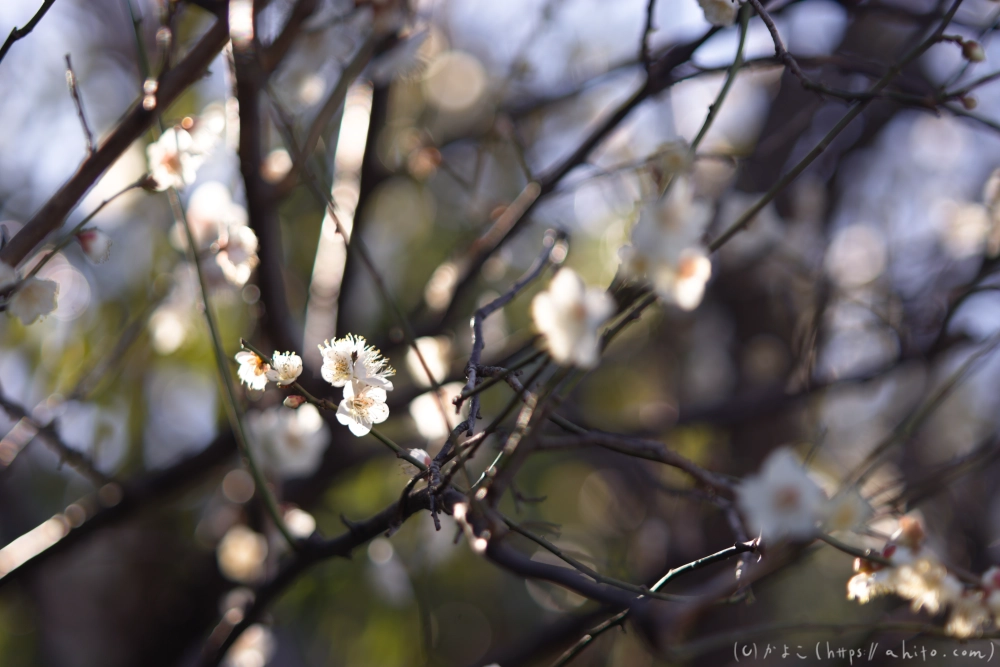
290	442
569	315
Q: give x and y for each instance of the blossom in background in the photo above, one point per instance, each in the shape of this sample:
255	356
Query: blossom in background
436	352
781	500
846	510
96	245
237	254
434	415
720	12
363	405
285	368
253	648
241	554
172	162
670	158
253	370
33	298
666	245
289	442
569	314
350	359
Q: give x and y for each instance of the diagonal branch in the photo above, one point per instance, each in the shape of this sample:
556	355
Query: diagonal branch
136	121
21	33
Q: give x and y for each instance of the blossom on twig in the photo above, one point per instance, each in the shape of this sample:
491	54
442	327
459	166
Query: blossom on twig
781	501
285	368
33	298
253	370
351	359
172	160
363	406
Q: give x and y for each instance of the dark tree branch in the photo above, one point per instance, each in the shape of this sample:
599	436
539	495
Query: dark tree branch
136	121
20	33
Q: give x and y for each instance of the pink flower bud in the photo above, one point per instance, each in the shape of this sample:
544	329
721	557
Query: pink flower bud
294	401
421	455
96	245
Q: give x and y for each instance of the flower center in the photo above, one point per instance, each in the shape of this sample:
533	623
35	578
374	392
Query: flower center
787	498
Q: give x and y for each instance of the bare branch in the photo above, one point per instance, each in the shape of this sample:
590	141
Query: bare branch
71	81
21	33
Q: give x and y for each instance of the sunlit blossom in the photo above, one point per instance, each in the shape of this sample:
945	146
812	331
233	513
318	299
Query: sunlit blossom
172	162
569	314
285	368
237	255
781	500
363	406
253	370
241	555
34	298
351	359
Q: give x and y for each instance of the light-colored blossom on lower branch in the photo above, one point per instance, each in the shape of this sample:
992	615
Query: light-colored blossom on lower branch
34	298
363	406
720	12
781	501
569	315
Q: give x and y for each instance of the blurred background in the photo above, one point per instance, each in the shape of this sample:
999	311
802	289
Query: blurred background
829	326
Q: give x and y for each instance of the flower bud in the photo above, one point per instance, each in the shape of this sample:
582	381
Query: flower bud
973	51
294	401
96	245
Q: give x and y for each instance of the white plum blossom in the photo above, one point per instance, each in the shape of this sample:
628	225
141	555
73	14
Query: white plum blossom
241	554
350	359
968	616
253	370
33	298
172	161
290	442
569	314
667	248
781	500
670	158
285	368
363	405
720	12
237	255
96	245
433	423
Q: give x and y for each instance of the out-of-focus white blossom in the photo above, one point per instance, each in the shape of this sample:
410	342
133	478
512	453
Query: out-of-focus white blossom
351	359
436	351
720	12
300	523
241	555
363	405
285	368
237	255
666	245
846	510
569	314
969	615
290	442
96	245
253	370
33	298
781	500
426	411
253	648
172	162
671	158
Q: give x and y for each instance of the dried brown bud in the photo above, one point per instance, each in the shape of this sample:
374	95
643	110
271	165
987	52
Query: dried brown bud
973	51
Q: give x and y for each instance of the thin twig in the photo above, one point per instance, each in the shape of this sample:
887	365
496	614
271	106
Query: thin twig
74	92
21	33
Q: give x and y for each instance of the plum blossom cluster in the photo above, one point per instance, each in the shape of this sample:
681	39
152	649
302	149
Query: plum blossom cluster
359	368
916	574
349	363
